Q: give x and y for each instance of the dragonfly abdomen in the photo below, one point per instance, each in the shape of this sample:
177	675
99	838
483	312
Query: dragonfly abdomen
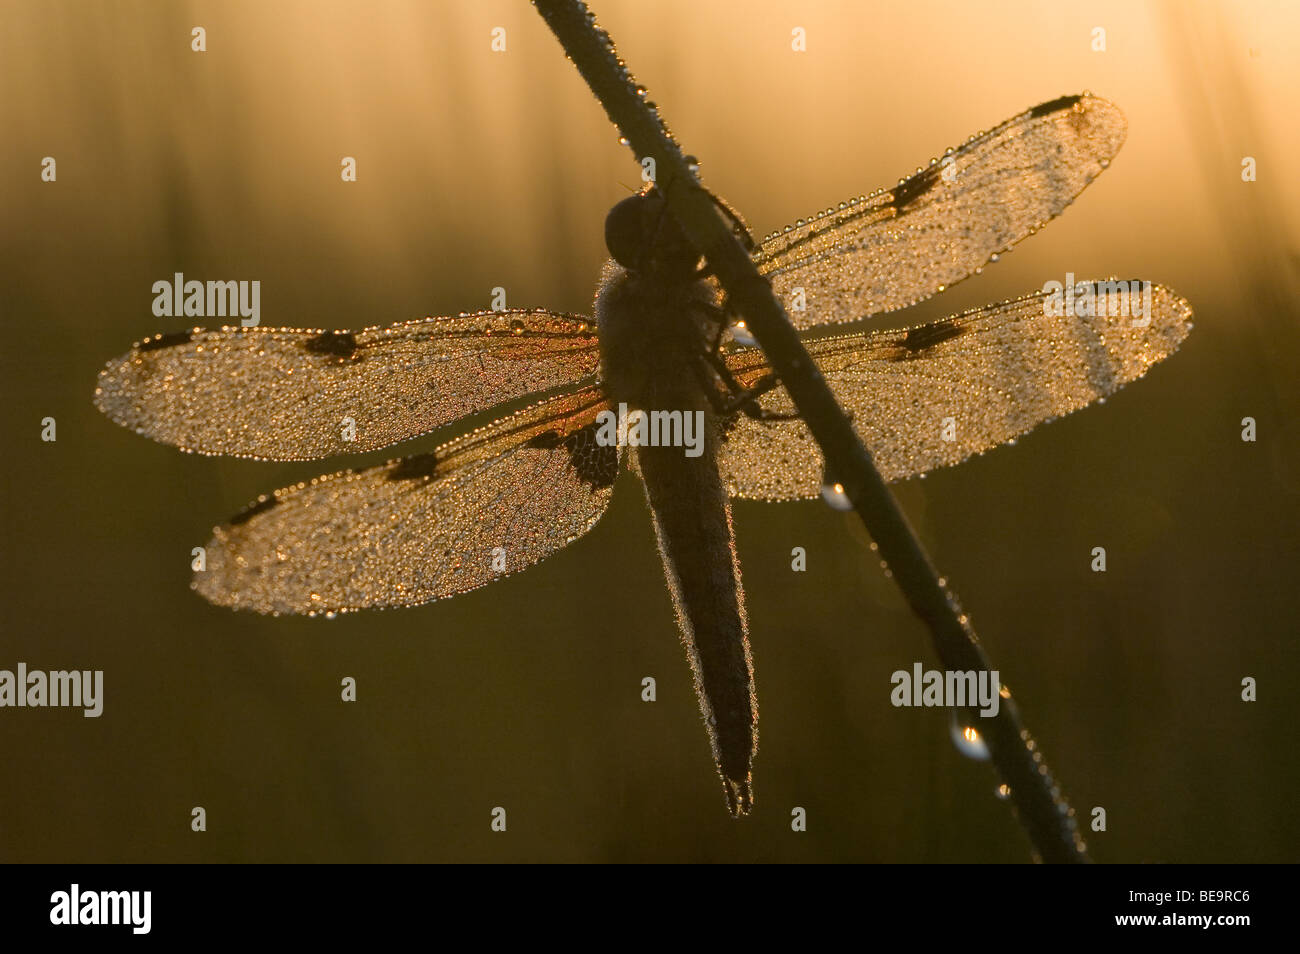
692	521
654	337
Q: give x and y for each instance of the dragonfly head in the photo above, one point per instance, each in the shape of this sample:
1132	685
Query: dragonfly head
642	236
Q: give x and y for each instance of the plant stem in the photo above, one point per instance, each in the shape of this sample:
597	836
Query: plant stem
1040	805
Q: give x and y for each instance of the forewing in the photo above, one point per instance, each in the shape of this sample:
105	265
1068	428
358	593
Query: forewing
424	527
291	394
899	246
995	371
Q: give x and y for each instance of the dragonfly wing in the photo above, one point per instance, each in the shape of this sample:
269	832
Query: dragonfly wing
996	372
290	394
423	527
901	245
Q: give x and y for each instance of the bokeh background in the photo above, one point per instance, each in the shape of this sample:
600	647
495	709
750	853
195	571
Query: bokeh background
480	169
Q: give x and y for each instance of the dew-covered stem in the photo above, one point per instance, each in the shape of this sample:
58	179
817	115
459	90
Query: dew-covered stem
1040	806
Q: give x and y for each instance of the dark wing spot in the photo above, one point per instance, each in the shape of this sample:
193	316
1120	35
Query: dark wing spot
596	463
415	467
1124	283
171	340
913	188
919	340
262	506
1044	109
547	440
339	344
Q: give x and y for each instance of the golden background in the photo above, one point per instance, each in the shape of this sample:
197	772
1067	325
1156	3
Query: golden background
478	169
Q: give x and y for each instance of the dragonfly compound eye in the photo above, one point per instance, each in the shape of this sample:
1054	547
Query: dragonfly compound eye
642	236
624	232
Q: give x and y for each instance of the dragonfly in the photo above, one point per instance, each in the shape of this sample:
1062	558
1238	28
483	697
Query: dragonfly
501	497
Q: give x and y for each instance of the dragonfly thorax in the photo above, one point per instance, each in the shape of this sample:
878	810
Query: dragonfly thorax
654	336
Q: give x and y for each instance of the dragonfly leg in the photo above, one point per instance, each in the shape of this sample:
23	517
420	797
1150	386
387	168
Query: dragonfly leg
731	396
737	397
738	229
745	400
741	398
738	226
719	398
723	319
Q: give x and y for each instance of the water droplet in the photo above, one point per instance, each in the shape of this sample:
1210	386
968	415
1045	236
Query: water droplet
1003	791
517	327
834	495
967	739
995	257
742	335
